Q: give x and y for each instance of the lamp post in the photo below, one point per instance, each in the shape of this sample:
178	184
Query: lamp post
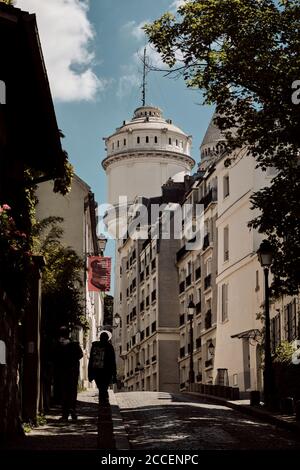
102	241
191	310
265	258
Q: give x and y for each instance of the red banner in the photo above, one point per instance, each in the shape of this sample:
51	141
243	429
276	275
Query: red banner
99	269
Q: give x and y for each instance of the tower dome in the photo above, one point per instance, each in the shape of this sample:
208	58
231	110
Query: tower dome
212	144
144	153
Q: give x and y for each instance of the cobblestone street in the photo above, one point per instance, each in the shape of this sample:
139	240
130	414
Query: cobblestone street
163	421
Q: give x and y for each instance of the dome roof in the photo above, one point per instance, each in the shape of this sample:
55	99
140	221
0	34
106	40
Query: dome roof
149	117
213	134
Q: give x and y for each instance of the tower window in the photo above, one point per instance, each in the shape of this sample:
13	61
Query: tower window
138	140
113	146
176	143
118	143
155	139
147	139
170	141
124	141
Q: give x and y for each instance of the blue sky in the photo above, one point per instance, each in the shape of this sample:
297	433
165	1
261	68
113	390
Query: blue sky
91	54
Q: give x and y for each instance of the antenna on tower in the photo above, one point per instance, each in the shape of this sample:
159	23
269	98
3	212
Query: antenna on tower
145	71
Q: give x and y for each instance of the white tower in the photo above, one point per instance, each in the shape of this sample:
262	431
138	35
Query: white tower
143	154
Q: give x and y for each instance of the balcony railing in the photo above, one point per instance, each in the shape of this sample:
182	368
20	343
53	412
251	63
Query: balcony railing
207	282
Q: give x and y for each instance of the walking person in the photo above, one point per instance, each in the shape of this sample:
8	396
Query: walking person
68	355
102	366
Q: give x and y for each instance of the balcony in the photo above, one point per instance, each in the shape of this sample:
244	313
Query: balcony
188	280
206	241
181	253
198	308
207	282
197	274
147	362
181	287
182	352
181	319
208	322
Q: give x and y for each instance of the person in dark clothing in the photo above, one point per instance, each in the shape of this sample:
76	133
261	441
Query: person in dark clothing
102	366
68	355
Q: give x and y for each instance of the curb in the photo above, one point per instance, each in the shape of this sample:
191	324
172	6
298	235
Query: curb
251	411
119	430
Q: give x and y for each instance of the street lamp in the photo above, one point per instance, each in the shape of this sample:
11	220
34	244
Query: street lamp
265	257
191	311
102	240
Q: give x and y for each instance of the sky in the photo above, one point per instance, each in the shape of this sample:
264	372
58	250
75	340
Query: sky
91	50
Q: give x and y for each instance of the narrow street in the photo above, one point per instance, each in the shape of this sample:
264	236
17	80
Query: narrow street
163	421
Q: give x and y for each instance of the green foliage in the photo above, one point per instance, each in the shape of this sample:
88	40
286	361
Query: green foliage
284	352
244	55
63	301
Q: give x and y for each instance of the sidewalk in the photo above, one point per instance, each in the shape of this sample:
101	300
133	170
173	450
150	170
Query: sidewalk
282	420
96	428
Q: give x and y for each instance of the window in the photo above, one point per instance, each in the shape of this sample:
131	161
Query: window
226	243
170	141
208	266
224	298
290	321
118	143
113	146
257	281
176	143
138	140
226	186
155	139
124	141
147	139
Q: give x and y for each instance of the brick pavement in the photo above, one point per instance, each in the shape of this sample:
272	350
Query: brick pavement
156	420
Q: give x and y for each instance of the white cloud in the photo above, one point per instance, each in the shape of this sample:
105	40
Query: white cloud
135	29
176	4
66	35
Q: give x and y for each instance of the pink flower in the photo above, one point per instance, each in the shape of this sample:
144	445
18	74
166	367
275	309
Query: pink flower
6	207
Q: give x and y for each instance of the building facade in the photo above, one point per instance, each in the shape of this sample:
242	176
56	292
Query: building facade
78	211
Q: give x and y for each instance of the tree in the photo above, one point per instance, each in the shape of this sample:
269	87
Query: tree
62	299
245	57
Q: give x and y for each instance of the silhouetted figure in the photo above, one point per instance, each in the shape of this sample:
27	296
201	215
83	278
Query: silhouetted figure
68	355
102	366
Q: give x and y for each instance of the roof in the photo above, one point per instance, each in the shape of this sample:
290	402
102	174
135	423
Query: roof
213	134
33	130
